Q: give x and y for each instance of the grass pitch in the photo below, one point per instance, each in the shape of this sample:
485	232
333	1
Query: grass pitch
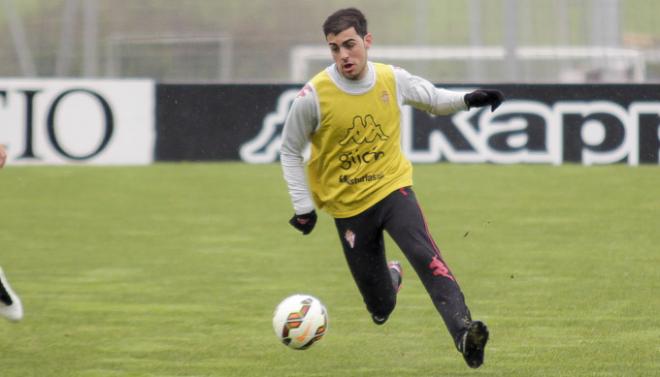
175	269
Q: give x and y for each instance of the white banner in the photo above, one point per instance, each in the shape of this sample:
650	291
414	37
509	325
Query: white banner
78	121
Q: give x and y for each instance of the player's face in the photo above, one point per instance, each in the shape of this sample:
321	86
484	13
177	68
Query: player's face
349	52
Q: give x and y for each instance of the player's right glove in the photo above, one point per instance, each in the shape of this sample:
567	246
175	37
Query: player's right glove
305	222
484	97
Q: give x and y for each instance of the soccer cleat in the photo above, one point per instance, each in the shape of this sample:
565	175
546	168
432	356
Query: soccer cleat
397	274
397	278
10	305
473	343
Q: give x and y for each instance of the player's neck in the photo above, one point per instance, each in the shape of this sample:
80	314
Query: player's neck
354	86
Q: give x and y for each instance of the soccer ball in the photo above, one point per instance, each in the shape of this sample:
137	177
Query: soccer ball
300	321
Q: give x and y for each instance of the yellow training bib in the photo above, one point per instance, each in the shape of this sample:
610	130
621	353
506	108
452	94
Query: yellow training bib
356	151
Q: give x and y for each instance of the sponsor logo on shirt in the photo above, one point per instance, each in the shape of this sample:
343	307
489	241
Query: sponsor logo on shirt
364	130
362	179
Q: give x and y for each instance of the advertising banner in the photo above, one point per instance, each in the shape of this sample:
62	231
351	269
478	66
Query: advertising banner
547	124
71	121
211	122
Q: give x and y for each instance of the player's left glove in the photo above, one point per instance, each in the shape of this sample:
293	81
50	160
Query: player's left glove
484	97
304	223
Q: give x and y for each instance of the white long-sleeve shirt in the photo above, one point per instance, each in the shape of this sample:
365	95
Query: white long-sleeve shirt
304	118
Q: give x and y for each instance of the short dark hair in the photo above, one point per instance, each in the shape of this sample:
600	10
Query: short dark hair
344	19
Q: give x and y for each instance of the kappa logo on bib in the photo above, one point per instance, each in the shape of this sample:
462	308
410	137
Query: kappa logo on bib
364	130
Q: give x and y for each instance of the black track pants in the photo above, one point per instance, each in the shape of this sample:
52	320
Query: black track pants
362	239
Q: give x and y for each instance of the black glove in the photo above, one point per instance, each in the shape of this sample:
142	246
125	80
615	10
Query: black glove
304	223
483	97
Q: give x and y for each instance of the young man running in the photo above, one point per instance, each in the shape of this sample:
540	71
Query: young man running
350	113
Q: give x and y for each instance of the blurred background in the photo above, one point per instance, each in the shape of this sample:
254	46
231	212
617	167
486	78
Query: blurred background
280	41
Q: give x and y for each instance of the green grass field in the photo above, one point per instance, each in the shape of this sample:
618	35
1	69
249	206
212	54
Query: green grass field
175	269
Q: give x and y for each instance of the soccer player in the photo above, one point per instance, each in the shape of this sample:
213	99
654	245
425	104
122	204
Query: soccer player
350	113
10	305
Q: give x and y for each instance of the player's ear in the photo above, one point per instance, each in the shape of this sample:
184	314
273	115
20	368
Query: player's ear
367	40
